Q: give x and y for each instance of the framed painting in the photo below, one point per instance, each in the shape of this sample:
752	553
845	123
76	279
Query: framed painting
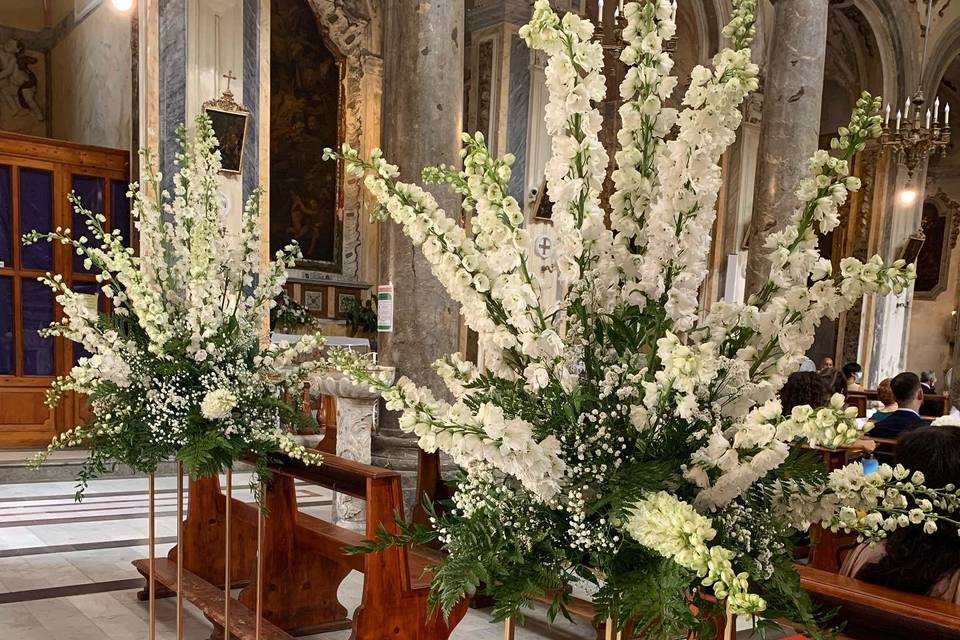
229	121
306	115
230	128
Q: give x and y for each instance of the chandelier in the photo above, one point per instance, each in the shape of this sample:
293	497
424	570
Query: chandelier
917	134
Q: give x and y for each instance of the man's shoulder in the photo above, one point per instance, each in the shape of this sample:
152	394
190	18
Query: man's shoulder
896	423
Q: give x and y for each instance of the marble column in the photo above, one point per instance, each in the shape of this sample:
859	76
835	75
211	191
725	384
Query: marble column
422	111
790	127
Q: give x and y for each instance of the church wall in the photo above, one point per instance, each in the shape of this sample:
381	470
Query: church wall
932	321
91	81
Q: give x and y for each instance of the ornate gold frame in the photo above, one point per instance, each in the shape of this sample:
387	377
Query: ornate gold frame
227	104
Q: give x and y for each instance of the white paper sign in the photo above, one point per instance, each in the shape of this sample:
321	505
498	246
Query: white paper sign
385	308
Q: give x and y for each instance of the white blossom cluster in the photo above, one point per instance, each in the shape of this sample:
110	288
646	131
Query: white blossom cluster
181	344
871	505
622	413
732	461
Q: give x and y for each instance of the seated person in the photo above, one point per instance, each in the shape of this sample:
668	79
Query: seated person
885	395
910	560
826	363
928	380
835	381
909	396
852	371
931	407
803	387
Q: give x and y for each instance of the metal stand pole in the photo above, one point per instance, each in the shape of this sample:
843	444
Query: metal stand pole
509	629
227	578
259	565
180	551
151	540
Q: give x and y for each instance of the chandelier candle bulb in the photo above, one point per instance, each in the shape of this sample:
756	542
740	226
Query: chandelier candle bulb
906	110
946	115
886	119
936	110
899	116
928	118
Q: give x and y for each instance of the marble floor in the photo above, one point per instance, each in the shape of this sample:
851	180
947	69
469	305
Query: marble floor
65	571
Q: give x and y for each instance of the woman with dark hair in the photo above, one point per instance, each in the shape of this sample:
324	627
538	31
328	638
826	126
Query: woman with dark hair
835	381
852	372
910	560
803	387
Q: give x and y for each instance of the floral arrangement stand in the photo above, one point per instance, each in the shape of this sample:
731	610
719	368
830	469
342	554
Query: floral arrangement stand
356	419
178	369
622	437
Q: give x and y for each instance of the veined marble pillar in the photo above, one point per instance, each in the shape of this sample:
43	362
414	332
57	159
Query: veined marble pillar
790	127
422	111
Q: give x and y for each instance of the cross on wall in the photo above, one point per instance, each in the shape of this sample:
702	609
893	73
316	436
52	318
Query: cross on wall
229	76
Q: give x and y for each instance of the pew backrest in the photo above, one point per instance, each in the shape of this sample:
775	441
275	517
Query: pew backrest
872	612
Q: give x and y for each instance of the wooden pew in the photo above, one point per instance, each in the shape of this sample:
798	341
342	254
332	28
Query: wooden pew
860	401
872	612
304	563
935	405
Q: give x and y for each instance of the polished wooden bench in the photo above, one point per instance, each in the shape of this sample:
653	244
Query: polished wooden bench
303	558
872	612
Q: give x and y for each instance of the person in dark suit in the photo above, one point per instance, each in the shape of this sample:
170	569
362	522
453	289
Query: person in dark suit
928	380
909	395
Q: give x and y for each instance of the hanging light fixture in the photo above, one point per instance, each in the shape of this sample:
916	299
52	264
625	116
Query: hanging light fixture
917	132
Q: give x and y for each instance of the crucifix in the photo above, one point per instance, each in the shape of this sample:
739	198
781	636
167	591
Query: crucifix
229	76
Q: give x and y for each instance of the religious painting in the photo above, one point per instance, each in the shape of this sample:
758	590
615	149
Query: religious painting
22	93
230	127
932	261
305	113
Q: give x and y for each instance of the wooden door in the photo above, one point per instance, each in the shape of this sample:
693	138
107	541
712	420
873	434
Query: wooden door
35	177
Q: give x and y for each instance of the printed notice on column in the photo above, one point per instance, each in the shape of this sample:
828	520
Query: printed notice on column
385	308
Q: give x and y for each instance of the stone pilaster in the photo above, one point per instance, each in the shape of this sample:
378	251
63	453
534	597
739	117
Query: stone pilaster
790	127
423	103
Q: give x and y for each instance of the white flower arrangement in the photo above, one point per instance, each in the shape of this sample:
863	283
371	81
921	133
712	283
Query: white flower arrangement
176	368
620	438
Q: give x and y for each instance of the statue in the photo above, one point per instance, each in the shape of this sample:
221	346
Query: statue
18	82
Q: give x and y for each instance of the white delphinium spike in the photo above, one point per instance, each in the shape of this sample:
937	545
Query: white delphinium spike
682	215
577	166
646	86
